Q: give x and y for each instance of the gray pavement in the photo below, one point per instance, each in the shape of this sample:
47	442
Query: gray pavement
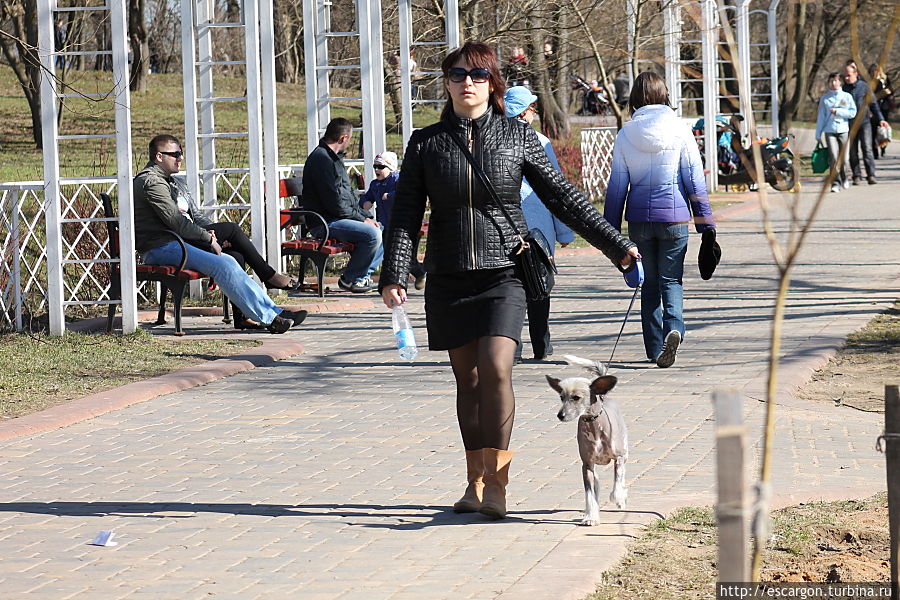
330	475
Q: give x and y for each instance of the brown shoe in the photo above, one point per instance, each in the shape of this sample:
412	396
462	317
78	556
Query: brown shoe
471	500
496	477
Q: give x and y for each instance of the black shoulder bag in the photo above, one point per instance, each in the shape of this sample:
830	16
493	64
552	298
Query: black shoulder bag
532	257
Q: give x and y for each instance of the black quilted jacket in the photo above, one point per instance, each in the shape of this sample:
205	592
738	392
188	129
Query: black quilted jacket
467	230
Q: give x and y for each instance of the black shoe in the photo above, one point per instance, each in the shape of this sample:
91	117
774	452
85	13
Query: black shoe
871	180
857	180
297	316
666	358
420	282
279	324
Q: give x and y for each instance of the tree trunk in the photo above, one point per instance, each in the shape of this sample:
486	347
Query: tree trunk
21	55
286	70
554	120
140	49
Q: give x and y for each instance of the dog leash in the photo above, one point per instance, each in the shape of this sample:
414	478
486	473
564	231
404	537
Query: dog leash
625	320
634	277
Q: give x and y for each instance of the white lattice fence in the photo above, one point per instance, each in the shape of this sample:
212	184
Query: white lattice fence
596	160
85	249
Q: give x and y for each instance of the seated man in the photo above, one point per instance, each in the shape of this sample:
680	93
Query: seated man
156	212
381	195
327	191
235	243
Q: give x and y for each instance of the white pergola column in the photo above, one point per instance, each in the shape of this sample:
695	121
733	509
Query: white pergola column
50	135
672	41
270	133
710	89
451	41
125	193
371	67
742	24
773	62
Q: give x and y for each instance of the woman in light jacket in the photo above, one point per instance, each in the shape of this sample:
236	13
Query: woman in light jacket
520	105
657	180
836	109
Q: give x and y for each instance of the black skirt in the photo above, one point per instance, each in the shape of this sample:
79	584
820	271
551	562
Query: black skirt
461	307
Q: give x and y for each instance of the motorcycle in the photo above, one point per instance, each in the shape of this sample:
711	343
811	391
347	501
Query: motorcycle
732	157
594	100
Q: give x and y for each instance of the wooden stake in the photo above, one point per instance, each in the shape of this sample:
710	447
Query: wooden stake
731	510
892	458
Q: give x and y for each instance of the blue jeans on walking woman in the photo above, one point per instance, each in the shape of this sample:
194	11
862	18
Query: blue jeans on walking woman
234	281
663	247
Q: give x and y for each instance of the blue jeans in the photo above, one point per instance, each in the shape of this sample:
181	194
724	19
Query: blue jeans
369	250
234	281
663	248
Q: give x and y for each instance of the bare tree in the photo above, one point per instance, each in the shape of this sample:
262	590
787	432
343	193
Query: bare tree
140	48
19	41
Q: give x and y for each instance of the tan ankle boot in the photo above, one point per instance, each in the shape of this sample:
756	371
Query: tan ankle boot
496	476
471	500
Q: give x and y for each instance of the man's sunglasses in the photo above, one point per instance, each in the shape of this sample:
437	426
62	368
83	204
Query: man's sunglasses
378	167
458	75
176	155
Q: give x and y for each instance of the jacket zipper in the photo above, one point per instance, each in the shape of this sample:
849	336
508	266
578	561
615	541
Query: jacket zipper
470	144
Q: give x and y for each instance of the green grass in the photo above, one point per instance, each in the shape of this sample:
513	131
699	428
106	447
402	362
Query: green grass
38	372
159	110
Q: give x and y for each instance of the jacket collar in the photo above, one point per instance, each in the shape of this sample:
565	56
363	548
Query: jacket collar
152	167
334	155
458	122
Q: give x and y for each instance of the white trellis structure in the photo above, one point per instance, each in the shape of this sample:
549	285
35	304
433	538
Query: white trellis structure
408	41
59	207
34	215
317	33
696	53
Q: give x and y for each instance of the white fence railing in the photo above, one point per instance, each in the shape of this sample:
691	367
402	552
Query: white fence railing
596	160
84	240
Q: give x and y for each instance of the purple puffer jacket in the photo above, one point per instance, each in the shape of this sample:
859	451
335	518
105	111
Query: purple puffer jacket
657	173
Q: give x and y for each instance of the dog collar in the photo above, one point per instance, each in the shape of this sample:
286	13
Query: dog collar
589	418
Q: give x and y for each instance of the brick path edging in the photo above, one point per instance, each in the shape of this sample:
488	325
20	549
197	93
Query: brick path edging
106	401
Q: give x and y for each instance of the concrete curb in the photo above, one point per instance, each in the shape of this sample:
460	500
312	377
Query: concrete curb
106	401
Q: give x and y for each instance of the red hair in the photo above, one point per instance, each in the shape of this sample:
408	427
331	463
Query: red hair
479	56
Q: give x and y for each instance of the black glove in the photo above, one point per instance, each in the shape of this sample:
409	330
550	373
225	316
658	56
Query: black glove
709	255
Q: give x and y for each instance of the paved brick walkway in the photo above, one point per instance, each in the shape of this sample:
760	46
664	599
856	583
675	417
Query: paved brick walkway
330	475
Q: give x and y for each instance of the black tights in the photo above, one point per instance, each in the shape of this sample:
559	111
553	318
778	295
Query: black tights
485	403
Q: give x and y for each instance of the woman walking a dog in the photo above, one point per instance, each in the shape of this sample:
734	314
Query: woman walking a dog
474	301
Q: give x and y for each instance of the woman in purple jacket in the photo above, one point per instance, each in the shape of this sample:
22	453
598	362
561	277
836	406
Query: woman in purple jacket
657	180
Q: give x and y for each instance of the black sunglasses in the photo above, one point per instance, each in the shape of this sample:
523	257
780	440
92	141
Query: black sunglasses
177	154
378	167
458	75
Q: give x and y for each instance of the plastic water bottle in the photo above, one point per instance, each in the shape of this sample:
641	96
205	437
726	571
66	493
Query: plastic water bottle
406	339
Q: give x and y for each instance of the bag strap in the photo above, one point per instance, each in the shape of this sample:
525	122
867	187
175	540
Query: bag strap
482	177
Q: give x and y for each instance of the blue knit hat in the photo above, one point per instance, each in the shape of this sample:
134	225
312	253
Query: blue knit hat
517	99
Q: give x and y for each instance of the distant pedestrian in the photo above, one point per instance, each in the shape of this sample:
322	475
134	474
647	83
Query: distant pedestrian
862	141
520	105
657	180
836	109
884	96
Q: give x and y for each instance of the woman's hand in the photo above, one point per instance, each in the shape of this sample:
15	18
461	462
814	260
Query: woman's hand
630	256
393	295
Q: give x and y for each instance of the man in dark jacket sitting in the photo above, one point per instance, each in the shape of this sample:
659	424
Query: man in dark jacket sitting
327	191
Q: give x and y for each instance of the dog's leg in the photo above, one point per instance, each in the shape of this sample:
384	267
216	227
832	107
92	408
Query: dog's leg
591	506
619	495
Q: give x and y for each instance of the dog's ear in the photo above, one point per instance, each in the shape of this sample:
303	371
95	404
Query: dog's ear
554	383
602	385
